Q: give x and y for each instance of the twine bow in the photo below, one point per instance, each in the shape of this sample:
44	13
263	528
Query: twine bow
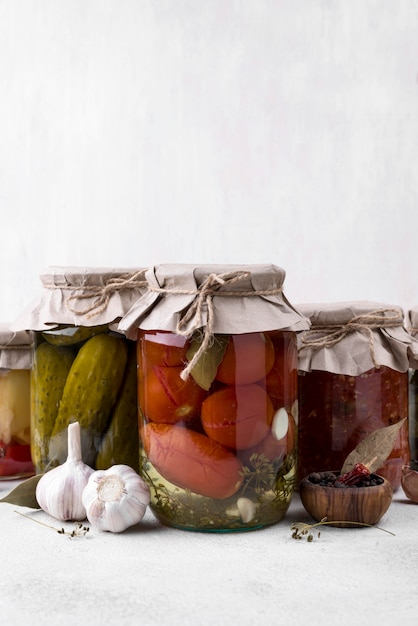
192	319
102	293
328	336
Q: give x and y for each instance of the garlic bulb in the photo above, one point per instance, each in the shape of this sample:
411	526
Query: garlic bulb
59	491
115	498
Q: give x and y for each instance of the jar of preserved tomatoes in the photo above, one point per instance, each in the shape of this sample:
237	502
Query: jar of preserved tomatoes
217	382
353	379
15	366
83	368
413	388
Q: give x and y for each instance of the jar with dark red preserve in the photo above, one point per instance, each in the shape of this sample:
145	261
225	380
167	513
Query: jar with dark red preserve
353	379
15	436
412	327
217	391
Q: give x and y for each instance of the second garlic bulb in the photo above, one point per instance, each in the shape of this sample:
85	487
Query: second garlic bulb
115	498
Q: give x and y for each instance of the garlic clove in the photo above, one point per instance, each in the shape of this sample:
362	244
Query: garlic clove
247	509
244	508
409	481
59	491
280	424
115	499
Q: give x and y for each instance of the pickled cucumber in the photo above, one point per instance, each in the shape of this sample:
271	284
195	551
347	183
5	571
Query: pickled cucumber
89	395
51	366
120	443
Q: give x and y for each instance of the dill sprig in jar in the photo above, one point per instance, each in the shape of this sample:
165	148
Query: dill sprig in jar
15	367
217	394
353	379
83	368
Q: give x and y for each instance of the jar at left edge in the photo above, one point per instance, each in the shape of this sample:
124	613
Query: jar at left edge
412	327
15	366
217	395
83	368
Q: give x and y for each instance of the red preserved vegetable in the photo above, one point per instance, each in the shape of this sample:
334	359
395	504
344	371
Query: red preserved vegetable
15	459
167	398
282	379
336	412
247	359
238	417
191	460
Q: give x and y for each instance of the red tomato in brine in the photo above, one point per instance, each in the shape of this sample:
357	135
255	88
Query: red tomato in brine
281	381
165	397
192	460
247	358
237	417
159	348
274	449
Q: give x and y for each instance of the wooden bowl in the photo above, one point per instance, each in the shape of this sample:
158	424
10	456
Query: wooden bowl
365	505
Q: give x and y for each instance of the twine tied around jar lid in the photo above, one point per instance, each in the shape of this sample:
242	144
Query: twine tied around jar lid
331	334
192	318
102	293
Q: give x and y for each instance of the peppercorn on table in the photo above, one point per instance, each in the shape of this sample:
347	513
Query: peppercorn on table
154	575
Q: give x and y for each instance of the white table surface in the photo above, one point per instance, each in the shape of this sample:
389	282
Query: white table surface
154	575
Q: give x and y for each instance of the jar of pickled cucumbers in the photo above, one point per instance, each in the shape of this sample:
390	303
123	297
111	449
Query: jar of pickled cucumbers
83	368
217	394
15	367
353	379
413	388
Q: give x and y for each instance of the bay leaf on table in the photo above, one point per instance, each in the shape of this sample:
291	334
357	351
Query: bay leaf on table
24	494
374	449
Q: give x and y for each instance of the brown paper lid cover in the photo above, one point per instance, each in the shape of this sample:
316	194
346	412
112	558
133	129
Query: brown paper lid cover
412	328
233	299
353	337
82	297
15	348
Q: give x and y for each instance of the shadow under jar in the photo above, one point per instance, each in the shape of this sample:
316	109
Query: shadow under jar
350	384
217	415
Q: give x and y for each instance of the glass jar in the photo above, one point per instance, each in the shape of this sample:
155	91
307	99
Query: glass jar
15	366
413	389
217	405
353	379
83	368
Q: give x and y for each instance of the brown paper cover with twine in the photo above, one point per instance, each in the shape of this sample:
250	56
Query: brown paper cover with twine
353	337
82	296
15	348
412	328
229	299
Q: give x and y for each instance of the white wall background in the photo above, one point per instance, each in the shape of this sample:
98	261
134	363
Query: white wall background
135	132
